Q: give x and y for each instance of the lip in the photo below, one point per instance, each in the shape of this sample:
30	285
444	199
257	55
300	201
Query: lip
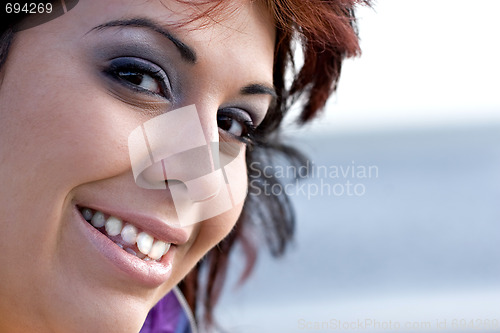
150	274
156	227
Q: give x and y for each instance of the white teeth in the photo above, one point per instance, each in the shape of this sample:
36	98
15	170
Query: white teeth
144	242
113	226
149	249
129	234
157	250
87	214
98	220
166	248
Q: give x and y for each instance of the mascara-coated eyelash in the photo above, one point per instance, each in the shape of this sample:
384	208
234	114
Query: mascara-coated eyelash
140	75
238	124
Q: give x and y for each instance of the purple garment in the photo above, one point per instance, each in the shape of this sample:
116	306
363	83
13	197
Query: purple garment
167	316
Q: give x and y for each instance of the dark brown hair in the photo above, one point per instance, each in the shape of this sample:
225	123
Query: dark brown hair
326	32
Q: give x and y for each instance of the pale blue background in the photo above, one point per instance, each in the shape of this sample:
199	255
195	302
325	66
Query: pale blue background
422	244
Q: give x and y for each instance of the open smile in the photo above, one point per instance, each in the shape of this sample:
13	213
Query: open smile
141	247
127	236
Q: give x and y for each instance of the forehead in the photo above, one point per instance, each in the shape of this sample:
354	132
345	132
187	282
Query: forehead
240	30
221	19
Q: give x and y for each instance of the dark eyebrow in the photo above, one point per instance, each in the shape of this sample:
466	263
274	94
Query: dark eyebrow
260	89
187	53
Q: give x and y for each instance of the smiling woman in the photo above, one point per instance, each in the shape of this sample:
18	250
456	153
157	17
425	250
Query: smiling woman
87	247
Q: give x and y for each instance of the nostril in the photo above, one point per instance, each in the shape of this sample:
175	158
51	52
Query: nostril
152	178
171	144
173	182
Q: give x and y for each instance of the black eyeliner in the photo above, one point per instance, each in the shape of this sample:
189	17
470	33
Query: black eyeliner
249	134
140	66
142	44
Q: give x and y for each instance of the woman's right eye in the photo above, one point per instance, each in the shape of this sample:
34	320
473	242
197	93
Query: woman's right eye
140	76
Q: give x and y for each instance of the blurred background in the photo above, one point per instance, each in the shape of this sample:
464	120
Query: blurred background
401	230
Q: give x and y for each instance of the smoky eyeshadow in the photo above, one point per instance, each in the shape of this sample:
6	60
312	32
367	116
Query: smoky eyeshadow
115	42
119	42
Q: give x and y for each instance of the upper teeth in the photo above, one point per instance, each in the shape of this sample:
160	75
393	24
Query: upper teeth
98	220
114	226
129	234
144	242
158	249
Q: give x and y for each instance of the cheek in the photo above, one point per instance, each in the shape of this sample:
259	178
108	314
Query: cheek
210	232
237	185
69	138
57	119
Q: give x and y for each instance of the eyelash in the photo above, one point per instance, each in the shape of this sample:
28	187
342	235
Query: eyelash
248	135
119	68
136	67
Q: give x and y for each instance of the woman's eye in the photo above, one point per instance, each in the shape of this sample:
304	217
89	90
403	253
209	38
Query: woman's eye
230	125
144	81
237	123
140	75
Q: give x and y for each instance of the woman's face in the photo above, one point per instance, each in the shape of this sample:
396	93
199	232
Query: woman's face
70	95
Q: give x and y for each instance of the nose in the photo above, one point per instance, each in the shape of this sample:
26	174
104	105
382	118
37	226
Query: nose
172	151
197	168
172	147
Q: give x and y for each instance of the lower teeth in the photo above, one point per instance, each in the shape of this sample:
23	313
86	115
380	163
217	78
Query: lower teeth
129	250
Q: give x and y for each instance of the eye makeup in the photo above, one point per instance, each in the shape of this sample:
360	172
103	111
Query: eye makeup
132	61
142	68
141	76
237	123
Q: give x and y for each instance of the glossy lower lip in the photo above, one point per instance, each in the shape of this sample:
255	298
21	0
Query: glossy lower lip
146	273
